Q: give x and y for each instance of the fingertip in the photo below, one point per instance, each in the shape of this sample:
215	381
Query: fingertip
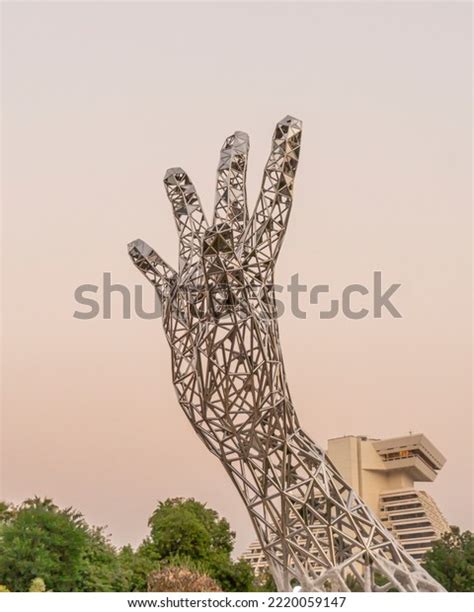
288	128
242	140
290	122
238	142
174	175
133	245
140	246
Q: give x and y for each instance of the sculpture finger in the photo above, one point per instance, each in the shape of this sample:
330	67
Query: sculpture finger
188	213
157	271
231	201
266	230
222	270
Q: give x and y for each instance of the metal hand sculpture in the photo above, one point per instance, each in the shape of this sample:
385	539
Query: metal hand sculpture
220	322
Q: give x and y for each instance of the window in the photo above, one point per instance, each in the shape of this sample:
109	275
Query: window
404	454
411	515
400	497
417	545
414	536
403	507
413	525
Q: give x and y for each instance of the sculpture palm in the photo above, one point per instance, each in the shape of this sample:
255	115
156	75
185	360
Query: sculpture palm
220	322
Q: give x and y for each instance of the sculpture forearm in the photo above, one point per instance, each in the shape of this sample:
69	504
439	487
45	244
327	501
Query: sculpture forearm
218	316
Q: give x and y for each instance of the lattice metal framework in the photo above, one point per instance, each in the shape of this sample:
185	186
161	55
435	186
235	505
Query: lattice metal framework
220	321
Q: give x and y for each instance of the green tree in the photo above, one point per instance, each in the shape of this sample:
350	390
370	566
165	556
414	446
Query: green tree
232	576
451	560
136	566
187	528
42	540
100	569
184	532
7	512
39	539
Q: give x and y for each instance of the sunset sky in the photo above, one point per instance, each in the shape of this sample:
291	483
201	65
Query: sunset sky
99	99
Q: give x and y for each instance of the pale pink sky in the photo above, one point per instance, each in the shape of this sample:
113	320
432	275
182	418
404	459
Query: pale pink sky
99	100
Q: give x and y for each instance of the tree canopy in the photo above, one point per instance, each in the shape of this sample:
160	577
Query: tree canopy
451	560
44	547
184	532
40	540
41	544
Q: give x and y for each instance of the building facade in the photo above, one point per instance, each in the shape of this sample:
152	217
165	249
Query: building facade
383	473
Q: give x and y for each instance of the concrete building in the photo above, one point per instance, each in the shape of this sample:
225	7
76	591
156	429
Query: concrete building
383	473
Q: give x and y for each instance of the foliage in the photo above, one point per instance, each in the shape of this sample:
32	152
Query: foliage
39	539
4	589
233	576
188	527
136	566
6	512
181	579
186	532
101	569
43	547
451	560
42	540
